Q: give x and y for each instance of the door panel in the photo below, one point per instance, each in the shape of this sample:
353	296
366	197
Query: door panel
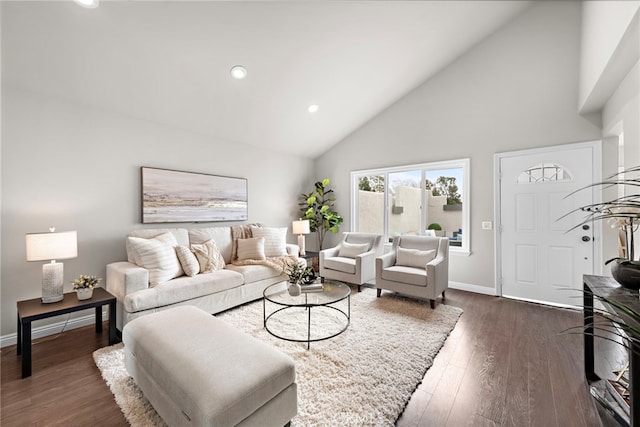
540	260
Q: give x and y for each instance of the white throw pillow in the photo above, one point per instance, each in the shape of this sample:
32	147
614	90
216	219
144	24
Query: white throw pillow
251	248
414	257
158	256
188	260
352	250
209	257
166	237
275	240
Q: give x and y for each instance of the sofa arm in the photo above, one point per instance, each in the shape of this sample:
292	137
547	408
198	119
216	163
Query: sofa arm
328	253
366	262
124	278
438	274
386	260
293	250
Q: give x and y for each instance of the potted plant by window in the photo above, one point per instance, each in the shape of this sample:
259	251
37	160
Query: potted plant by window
84	285
317	207
622	213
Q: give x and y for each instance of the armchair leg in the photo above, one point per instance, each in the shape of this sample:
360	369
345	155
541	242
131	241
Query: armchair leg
433	303
379	292
443	295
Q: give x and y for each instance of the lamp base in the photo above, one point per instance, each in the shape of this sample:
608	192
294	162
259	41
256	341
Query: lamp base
301	241
52	282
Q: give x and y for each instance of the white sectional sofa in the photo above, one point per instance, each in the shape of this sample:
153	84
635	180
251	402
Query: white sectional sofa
163	283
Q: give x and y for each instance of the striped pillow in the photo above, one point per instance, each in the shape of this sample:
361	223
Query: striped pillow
275	240
252	248
158	256
188	260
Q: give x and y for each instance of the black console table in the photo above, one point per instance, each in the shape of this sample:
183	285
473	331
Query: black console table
607	287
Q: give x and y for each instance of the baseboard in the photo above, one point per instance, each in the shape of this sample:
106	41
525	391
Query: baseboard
54	328
472	288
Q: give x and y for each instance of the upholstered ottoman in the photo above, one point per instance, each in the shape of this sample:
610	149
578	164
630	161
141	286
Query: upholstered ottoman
196	370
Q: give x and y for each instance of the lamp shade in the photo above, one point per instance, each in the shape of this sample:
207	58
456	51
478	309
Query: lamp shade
51	246
301	227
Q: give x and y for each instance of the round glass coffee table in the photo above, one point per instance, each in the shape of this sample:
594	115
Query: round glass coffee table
290	317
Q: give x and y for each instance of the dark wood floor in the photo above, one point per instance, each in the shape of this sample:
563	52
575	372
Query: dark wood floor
505	363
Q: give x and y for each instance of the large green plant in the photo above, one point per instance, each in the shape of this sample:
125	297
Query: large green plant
317	207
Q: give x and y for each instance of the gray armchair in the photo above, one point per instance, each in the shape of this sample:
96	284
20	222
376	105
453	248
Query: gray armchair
417	266
353	260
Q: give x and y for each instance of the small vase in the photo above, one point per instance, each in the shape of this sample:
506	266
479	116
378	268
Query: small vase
627	274
294	289
84	293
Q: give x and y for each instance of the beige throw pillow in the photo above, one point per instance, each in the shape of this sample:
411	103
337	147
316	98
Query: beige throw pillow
275	240
158	256
252	248
209	257
188	260
414	257
352	250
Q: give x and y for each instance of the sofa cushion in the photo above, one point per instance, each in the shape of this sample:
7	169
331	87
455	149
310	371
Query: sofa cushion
157	255
251	248
220	235
402	274
275	240
180	234
255	272
346	265
414	257
188	260
209	257
182	289
352	250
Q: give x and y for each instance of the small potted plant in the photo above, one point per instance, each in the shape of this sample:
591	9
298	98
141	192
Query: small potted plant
84	285
296	272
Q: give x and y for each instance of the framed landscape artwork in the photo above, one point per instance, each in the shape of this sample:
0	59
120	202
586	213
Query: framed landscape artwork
176	196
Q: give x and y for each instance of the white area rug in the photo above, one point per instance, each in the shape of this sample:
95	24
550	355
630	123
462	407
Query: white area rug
363	377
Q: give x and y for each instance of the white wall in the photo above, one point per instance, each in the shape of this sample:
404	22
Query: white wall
517	89
621	115
78	168
610	46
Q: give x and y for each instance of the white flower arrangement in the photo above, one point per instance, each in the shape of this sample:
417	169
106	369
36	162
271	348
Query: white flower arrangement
86	282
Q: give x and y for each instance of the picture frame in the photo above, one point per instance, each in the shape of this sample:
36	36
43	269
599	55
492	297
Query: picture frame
178	196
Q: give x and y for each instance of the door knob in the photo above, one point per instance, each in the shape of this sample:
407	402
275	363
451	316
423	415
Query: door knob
586	238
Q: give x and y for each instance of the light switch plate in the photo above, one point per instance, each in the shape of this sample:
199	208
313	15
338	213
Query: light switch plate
486	225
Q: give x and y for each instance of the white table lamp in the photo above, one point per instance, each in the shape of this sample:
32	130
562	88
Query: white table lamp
52	246
301	228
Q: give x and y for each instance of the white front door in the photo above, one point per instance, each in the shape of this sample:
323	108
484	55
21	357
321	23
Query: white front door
540	259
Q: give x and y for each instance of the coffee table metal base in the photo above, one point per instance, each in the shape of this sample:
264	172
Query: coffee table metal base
308	340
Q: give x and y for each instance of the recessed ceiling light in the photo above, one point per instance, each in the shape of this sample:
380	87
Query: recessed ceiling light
313	108
238	72
89	4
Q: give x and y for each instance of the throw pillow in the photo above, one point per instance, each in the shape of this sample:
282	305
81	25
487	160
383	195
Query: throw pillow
209	257
158	256
166	237
188	260
352	250
252	248
414	257
275	240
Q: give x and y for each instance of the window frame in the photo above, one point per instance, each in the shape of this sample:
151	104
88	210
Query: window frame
464	163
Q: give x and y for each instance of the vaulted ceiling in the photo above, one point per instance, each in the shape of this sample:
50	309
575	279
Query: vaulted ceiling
169	61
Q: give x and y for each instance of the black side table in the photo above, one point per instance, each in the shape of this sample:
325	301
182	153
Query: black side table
607	287
35	309
314	260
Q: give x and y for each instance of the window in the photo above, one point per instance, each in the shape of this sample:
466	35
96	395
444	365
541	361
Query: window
415	199
545	172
